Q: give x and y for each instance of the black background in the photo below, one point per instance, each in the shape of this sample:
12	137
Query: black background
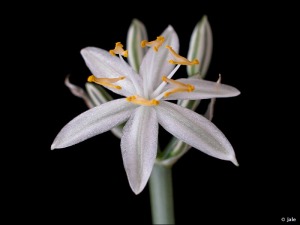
87	182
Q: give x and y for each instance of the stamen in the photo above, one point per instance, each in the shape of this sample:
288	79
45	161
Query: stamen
180	59
179	87
135	99
163	84
119	50
106	82
155	44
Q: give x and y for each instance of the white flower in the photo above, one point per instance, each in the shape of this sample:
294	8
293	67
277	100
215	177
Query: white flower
145	106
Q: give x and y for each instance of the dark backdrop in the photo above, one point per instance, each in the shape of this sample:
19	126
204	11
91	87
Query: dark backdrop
87	182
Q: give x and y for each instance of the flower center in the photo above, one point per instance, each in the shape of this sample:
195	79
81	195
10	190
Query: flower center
155	44
135	99
157	94
107	82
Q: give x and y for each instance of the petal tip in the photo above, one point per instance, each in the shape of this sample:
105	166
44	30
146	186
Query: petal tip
135	20
136	192
170	28
87	50
56	145
234	161
234	92
205	19
53	146
83	51
136	189
237	92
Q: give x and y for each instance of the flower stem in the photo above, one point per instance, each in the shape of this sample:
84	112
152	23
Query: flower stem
161	195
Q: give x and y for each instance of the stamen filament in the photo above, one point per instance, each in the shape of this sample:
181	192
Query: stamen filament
135	99
163	84
180	87
180	59
106	82
174	71
175	90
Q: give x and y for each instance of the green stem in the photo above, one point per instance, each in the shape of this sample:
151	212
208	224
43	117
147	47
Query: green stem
161	195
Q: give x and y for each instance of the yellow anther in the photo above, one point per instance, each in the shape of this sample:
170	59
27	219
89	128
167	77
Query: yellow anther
131	98
155	44
180	59
106	82
179	87
135	99
112	52
119	50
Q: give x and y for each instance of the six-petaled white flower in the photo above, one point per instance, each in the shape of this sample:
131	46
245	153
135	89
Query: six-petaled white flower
145	107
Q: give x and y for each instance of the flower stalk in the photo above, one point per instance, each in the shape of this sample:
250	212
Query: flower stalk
161	195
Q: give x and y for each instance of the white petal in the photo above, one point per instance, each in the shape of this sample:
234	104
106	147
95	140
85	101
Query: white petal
136	33
99	96
93	122
201	44
204	89
155	64
139	146
103	65
195	130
